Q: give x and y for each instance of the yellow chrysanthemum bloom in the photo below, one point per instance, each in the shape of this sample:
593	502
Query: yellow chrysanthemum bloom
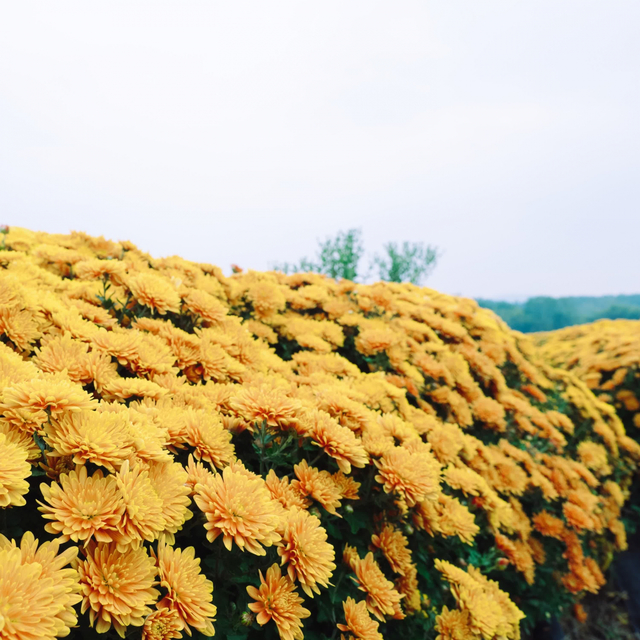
210	440
29	404
454	625
276	599
162	624
319	485
154	291
170	482
88	436
338	442
382	598
14	469
272	406
305	550
143	517
117	586
189	592
358	621
238	507
37	589
284	492
83	507
414	476
395	547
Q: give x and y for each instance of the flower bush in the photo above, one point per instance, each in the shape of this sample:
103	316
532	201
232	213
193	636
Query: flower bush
605	355
264	455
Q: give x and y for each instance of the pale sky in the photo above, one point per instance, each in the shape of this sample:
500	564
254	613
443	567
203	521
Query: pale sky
506	133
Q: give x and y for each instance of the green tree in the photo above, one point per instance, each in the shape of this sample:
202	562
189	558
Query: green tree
339	257
411	262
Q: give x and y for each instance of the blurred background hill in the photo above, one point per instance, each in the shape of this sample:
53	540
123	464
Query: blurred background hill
543	313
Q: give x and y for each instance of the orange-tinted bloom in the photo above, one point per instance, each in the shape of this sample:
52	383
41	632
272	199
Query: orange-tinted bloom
162	624
88	436
347	486
305	550
358	621
454	625
319	485
197	473
260	404
154	291
276	599
414	476
337	441
579	613
14	469
117	587
549	525
189	592
37	589
212	442
286	494
239	508
83	507
394	546
170	482
28	404
143	517
382	597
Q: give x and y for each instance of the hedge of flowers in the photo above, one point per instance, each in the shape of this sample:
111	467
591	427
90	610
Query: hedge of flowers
606	356
263	456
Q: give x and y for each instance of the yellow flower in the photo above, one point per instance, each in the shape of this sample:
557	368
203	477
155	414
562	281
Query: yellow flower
491	612
286	494
206	306
143	517
162	624
337	441
305	550
549	525
414	476
594	456
154	291
454	625
358	621
189	592
83	507
382	597
14	469
117	586
19	326
88	436
169	481
373	340
197	473
238	507
319	485
347	486
394	546
211	441
271	406
28	404
37	589
276	599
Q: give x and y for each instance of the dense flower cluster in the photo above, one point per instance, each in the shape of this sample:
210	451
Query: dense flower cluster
605	355
218	453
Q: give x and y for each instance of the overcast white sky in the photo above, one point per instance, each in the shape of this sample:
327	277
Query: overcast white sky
506	133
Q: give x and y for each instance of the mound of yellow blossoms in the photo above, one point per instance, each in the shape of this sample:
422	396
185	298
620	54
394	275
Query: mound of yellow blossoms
266	453
606	356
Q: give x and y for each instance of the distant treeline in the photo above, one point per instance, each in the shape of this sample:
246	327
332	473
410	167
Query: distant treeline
546	314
